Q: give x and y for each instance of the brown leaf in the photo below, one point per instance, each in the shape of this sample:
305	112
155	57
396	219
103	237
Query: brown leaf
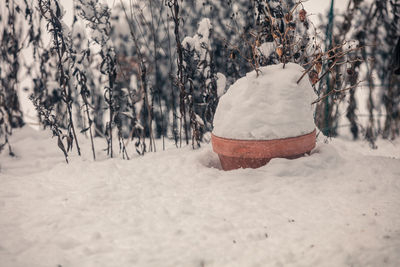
288	17
302	15
69	142
350	72
318	67
279	51
61	146
313	75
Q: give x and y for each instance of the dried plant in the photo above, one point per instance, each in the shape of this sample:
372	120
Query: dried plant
140	75
143	88
97	16
10	48
200	80
175	9
50	120
52	12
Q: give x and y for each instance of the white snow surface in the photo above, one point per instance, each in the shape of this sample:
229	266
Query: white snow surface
204	28
270	106
337	207
199	40
267	48
221	84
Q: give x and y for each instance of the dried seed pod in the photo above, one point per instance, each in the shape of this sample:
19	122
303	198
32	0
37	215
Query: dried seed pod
318	67
332	58
232	55
350	72
302	15
269	38
313	75
288	17
279	51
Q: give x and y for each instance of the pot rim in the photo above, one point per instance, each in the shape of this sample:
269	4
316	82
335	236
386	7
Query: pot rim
262	140
283	147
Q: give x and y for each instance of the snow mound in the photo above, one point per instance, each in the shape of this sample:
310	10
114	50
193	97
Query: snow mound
270	106
337	207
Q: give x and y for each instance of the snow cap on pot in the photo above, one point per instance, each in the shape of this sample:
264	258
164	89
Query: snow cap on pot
265	116
270	106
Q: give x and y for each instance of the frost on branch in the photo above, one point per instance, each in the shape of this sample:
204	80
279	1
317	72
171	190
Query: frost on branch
201	79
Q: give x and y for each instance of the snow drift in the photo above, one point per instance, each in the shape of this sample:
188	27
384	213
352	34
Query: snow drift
337	207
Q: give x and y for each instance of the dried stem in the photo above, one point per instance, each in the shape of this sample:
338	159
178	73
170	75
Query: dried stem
336	91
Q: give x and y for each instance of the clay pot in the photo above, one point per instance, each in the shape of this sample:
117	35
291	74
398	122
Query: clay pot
235	154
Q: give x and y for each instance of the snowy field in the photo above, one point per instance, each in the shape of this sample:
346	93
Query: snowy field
337	207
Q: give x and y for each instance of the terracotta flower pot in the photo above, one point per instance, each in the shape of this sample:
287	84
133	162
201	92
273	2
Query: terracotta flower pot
235	154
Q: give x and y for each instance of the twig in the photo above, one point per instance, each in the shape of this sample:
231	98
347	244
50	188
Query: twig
335	91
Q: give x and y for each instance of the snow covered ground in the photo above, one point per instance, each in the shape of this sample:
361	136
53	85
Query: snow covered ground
337	207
